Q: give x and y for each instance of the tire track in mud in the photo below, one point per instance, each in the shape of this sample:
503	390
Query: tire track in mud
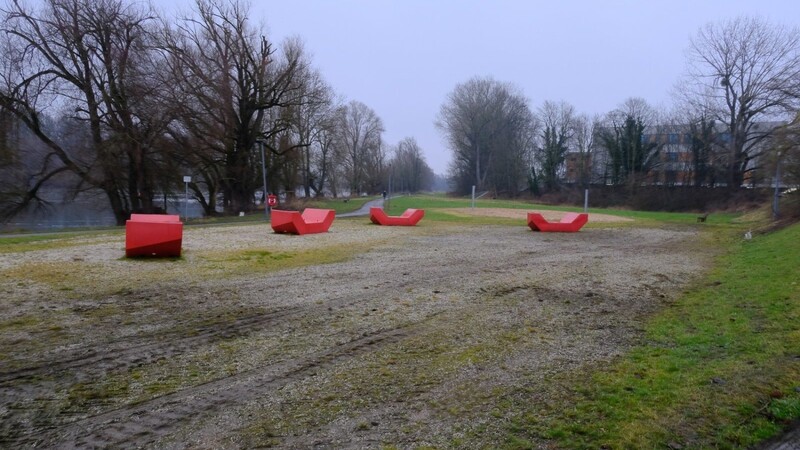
143	423
136	350
81	366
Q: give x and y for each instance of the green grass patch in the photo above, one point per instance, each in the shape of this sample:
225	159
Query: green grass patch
76	279
48	241
438	204
660	217
720	369
242	262
82	394
20	323
399	204
338	204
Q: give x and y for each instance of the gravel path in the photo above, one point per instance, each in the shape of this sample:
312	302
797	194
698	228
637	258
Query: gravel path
360	337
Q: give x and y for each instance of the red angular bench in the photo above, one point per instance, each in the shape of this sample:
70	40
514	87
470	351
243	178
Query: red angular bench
310	221
570	223
153	235
409	218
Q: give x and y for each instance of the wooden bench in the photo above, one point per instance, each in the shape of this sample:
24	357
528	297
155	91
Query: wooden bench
409	218
570	223
310	221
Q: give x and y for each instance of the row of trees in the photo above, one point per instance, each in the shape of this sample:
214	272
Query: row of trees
735	108
108	96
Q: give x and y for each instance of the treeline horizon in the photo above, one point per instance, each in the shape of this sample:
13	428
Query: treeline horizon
115	97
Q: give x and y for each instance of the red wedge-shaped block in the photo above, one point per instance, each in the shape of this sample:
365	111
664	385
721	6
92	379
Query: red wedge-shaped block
153	235
409	218
311	221
570	223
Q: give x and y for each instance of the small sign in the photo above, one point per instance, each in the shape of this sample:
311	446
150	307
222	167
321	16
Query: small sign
187	179
272	200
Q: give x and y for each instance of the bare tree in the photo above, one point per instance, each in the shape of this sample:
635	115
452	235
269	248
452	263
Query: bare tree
787	143
89	61
227	77
331	141
743	71
702	140
487	125
409	170
323	164
585	130
360	145
312	122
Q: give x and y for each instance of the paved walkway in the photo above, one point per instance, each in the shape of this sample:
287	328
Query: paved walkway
364	210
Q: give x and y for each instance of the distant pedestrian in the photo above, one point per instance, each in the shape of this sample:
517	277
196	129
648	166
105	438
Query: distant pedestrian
384	195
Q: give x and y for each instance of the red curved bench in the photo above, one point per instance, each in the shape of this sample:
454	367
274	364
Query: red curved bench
153	235
570	223
409	218
311	221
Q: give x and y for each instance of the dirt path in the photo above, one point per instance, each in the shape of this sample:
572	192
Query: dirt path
414	340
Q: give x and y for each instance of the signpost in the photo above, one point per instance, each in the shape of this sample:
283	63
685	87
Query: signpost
473	196
586	200
186	179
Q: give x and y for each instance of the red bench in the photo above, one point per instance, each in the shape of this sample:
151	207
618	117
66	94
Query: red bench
409	218
153	235
570	223
310	221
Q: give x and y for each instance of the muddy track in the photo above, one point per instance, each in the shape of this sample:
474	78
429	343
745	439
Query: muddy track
88	363
143	423
135	350
127	352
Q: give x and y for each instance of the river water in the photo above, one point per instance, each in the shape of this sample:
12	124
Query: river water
85	212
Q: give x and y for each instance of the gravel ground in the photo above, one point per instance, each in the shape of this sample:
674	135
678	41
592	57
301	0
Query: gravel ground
362	337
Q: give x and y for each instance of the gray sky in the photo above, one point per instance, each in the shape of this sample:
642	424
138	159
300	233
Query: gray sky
402	57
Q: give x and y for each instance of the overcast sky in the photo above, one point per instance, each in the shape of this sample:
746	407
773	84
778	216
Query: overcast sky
402	57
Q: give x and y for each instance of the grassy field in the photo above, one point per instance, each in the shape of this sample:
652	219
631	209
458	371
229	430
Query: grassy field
436	207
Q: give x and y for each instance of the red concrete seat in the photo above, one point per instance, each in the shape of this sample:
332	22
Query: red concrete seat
570	223
310	221
153	235
409	218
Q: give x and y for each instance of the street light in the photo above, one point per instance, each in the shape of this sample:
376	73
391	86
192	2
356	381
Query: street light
186	179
